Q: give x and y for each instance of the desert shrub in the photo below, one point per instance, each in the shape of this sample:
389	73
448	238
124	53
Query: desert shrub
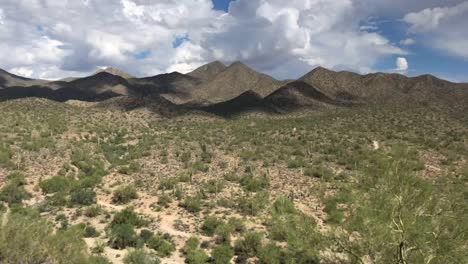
249	246
192	204
124	194
197	256
92	211
90	231
222	254
26	238
164	200
213	186
319	172
163	247
252	205
5	156
251	183
83	196
210	224
146	235
192	252
122	236
168	183
56	184
13	192
272	254
98	260
127	216
200	166
130	169
58	199
140	256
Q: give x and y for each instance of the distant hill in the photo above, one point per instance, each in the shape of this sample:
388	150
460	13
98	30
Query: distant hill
232	82
215	87
115	72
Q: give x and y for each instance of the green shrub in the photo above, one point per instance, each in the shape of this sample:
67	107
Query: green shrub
90	231
140	256
98	260
254	184
146	235
197	256
124	194
56	184
252	205
213	186
210	224
192	204
249	246
191	244
164	200
93	211
127	216
84	196
27	238
122	236
14	193
222	254
161	245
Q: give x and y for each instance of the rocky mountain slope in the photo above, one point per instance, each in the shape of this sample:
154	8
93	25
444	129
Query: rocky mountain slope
237	88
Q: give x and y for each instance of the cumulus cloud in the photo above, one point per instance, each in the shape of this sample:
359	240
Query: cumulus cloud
55	38
442	27
408	42
401	65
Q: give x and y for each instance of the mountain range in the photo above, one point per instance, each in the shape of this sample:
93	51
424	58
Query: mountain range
233	89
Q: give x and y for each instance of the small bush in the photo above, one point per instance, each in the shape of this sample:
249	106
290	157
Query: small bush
222	254
56	184
92	211
90	231
192	204
146	235
122	236
161	245
249	246
254	184
210	224
83	197
14	193
164	200
140	256
124	194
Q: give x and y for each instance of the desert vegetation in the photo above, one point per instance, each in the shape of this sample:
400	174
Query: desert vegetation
368	184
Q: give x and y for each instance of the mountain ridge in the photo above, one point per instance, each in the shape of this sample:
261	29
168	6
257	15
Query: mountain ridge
220	86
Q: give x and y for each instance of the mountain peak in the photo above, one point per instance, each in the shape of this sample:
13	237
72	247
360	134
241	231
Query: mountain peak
208	71
116	72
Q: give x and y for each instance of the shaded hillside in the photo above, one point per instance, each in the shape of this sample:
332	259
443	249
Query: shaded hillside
247	101
9	80
299	94
232	82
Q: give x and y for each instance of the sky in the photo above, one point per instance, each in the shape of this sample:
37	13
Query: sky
52	39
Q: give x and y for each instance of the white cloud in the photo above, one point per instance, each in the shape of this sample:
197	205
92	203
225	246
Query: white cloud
408	42
401	65
284	38
22	71
442	27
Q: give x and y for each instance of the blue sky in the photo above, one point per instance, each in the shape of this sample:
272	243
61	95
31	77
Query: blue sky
283	38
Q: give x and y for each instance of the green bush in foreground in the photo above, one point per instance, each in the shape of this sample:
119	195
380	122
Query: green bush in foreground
26	238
